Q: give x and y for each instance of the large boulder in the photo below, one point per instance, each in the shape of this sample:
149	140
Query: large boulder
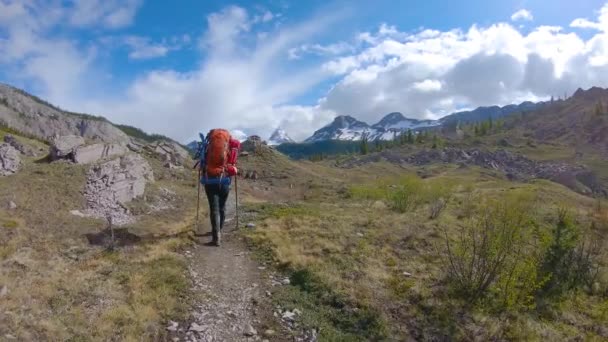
10	162
64	147
112	184
96	152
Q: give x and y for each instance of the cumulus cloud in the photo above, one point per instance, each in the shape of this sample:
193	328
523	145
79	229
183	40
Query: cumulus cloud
237	85
601	24
251	74
433	73
522	14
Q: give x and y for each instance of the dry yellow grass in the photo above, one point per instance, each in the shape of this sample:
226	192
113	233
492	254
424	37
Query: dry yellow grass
61	288
360	248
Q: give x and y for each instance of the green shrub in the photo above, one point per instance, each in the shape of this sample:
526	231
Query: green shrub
437	195
407	195
492	257
570	261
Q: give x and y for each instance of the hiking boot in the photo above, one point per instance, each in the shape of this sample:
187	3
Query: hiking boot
217	237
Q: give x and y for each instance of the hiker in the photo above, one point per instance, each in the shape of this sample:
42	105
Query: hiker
217	155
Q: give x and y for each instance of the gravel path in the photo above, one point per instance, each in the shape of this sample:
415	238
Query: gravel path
236	303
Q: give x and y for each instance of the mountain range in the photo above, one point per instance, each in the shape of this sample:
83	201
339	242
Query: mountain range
347	128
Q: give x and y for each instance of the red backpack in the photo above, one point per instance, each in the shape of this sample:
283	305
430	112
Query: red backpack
221	152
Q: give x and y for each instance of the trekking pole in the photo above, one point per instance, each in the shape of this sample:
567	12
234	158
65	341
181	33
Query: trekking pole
198	200
236	196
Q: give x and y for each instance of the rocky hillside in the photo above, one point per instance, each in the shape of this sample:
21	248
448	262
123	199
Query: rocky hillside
580	121
34	117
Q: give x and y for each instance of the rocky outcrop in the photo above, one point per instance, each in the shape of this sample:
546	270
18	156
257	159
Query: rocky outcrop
22	148
112	184
72	148
169	152
96	152
32	116
64	147
10	162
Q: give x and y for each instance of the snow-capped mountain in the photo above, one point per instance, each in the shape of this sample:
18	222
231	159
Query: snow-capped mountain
279	137
344	127
396	121
349	128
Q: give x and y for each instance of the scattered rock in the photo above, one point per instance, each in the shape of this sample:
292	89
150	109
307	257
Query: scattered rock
197	328
3	291
286	281
250	331
78	213
289	316
12	205
250	225
64	147
10	162
269	333
360	235
173	326
407	274
10	337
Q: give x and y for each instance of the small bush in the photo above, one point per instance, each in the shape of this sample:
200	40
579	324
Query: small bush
438	194
491	257
407	195
570	261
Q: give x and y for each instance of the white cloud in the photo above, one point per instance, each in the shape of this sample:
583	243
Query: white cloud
142	48
601	24
108	13
320	50
245	81
427	85
237	86
145	48
522	14
433	73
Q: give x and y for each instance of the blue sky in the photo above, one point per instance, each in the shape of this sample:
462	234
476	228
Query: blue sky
256	65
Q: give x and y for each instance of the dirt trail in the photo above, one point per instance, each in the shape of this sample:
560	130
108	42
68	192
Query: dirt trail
235	304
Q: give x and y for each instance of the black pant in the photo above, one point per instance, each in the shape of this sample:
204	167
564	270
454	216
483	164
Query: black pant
217	195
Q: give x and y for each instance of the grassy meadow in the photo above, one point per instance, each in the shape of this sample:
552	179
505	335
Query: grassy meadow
383	254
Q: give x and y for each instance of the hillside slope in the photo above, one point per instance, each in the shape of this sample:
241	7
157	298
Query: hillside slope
28	114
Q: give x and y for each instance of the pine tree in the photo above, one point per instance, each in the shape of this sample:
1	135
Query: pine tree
410	136
364	148
476	129
435	141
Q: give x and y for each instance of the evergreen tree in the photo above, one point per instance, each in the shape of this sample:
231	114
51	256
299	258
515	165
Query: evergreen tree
476	129
364	148
435	141
410	136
